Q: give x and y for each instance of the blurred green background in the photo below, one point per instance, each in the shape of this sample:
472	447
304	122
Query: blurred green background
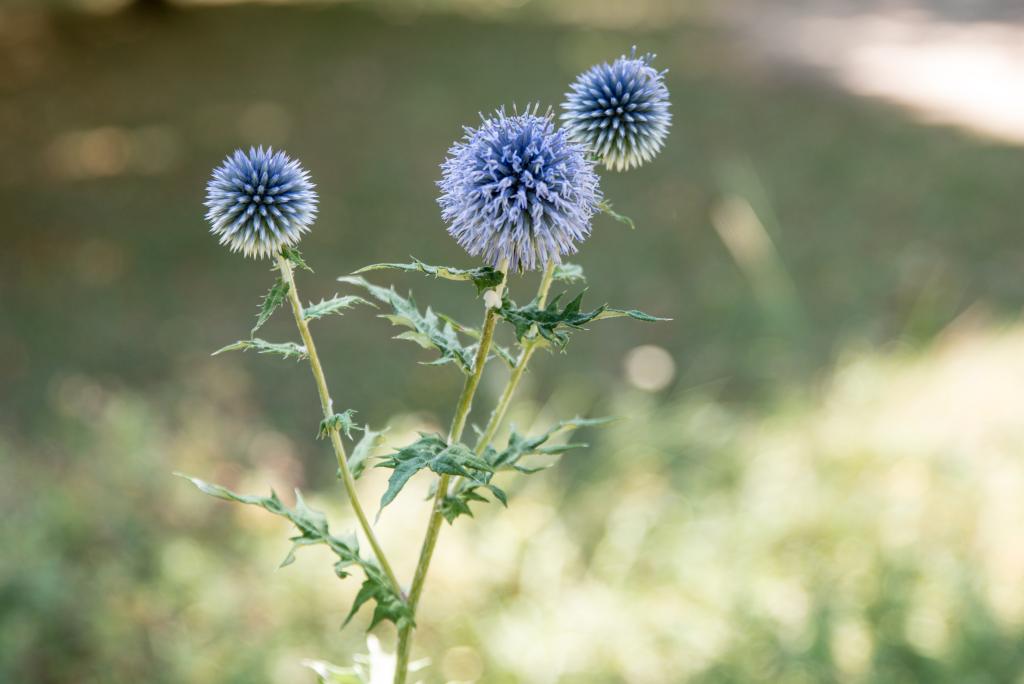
818	476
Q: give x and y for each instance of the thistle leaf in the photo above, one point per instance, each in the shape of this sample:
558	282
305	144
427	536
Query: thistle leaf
457	503
334	305
273	299
433	453
427	329
554	324
569	273
474	334
484	277
289	350
313	529
339	421
363	450
606	207
295	256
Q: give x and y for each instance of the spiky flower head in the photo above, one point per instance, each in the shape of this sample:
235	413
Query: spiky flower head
259	202
516	189
620	111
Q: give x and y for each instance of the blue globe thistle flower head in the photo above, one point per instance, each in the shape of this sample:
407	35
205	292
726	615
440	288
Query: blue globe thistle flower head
259	202
620	111
516	189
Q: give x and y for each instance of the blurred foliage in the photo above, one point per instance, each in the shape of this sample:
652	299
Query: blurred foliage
796	512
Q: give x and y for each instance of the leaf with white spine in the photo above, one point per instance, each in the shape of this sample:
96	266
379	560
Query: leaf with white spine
427	329
484	277
334	305
289	350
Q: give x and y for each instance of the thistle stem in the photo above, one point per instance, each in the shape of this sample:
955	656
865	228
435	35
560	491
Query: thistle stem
498	414
434	524
328	410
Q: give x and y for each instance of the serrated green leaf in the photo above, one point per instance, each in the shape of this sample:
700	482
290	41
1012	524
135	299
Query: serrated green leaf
606	207
501	352
568	273
426	329
458	502
334	305
484	277
289	350
313	530
433	453
554	324
273	299
295	257
363	450
389	606
339	421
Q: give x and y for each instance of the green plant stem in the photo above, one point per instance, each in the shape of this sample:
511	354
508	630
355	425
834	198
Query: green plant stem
434	524
498	414
328	409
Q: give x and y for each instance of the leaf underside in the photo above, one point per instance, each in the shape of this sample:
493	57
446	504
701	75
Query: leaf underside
427	329
483	277
289	350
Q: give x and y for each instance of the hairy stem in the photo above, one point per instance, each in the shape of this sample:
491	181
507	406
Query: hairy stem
328	409
434	524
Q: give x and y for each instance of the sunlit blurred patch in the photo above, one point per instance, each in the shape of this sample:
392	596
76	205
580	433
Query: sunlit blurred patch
969	74
112	151
649	368
462	664
265	123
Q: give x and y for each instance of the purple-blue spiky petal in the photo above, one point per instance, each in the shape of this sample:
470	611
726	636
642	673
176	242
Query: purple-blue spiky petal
259	202
517	190
620	111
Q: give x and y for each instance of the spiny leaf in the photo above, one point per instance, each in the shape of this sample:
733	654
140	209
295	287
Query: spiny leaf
295	256
334	305
313	529
289	350
430	451
363	450
389	606
474	334
339	421
554	324
273	299
428	330
519	446
569	273
606	207
484	277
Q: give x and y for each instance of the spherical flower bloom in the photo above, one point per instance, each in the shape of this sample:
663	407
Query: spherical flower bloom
620	111
259	202
517	190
